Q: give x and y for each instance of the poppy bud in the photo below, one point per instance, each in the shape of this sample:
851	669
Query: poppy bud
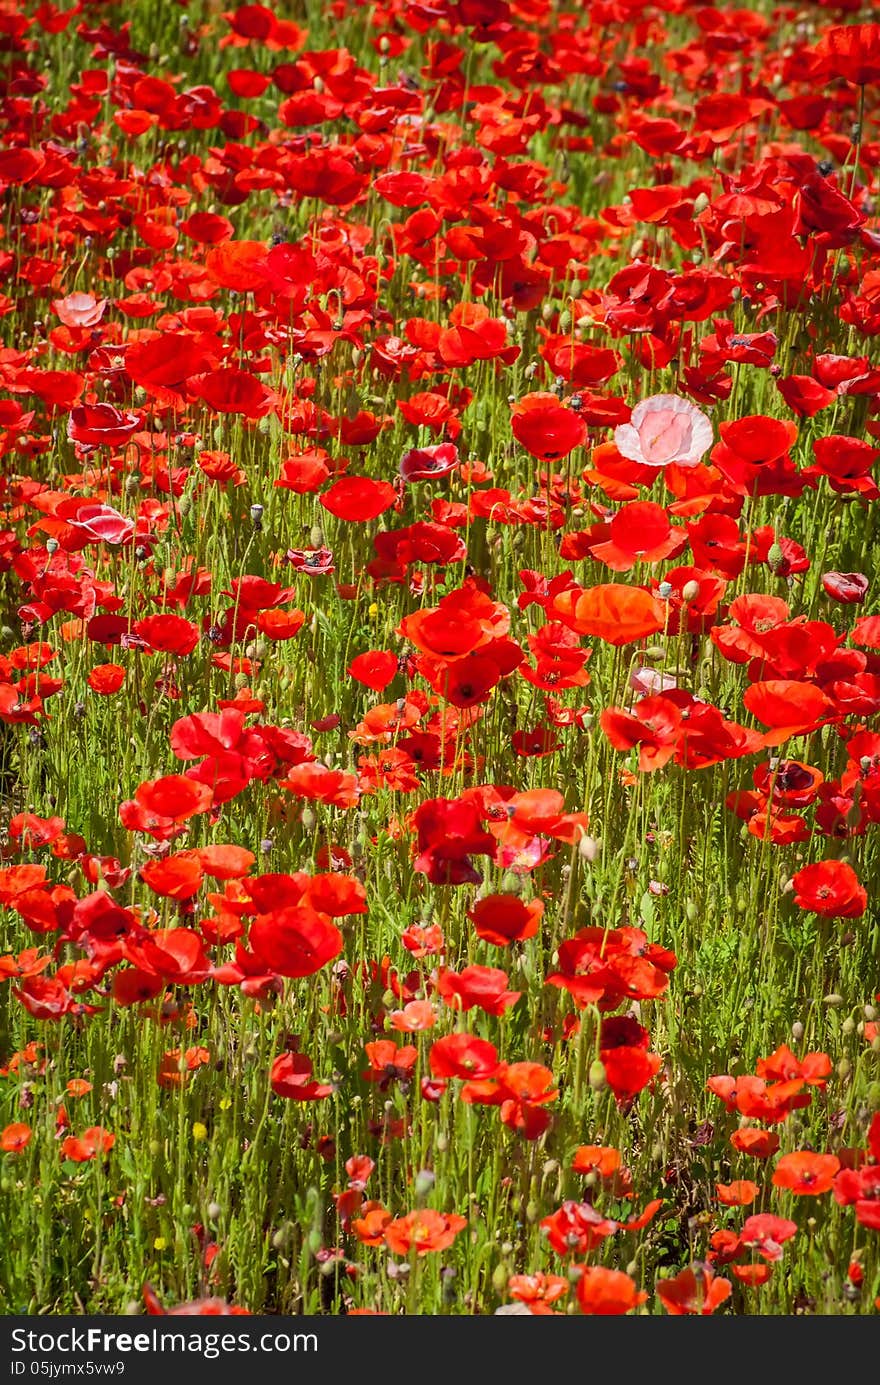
423	1183
589	848
690	591
844	1068
797	1031
870	1013
833	1001
282	1236
214	1211
597	1079
500	1276
701	202
849	1025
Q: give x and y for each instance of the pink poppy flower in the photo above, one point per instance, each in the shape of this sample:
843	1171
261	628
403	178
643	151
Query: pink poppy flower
664	429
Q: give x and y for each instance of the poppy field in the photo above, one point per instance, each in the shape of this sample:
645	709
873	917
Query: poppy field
440	658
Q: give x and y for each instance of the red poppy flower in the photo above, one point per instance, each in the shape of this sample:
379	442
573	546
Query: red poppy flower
15	1137
295	941
502	919
389	1063
694	1291
617	614
375	669
174	796
804	395
291	1077
167	633
740	1193
177	877
463	1055
830	888
423	1231
849	588
358	498
232	391
485	987
767	1234
851	51
176	954
101	424
787	706
106	679
653	725
761	1144
94	1141
545	428
607	1293
429	463
577	1228
805	1172
537	1291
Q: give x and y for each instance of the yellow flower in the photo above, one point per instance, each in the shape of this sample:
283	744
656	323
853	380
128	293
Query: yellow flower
200	1132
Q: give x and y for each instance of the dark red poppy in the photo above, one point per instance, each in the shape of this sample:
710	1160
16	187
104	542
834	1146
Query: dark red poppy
849	588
